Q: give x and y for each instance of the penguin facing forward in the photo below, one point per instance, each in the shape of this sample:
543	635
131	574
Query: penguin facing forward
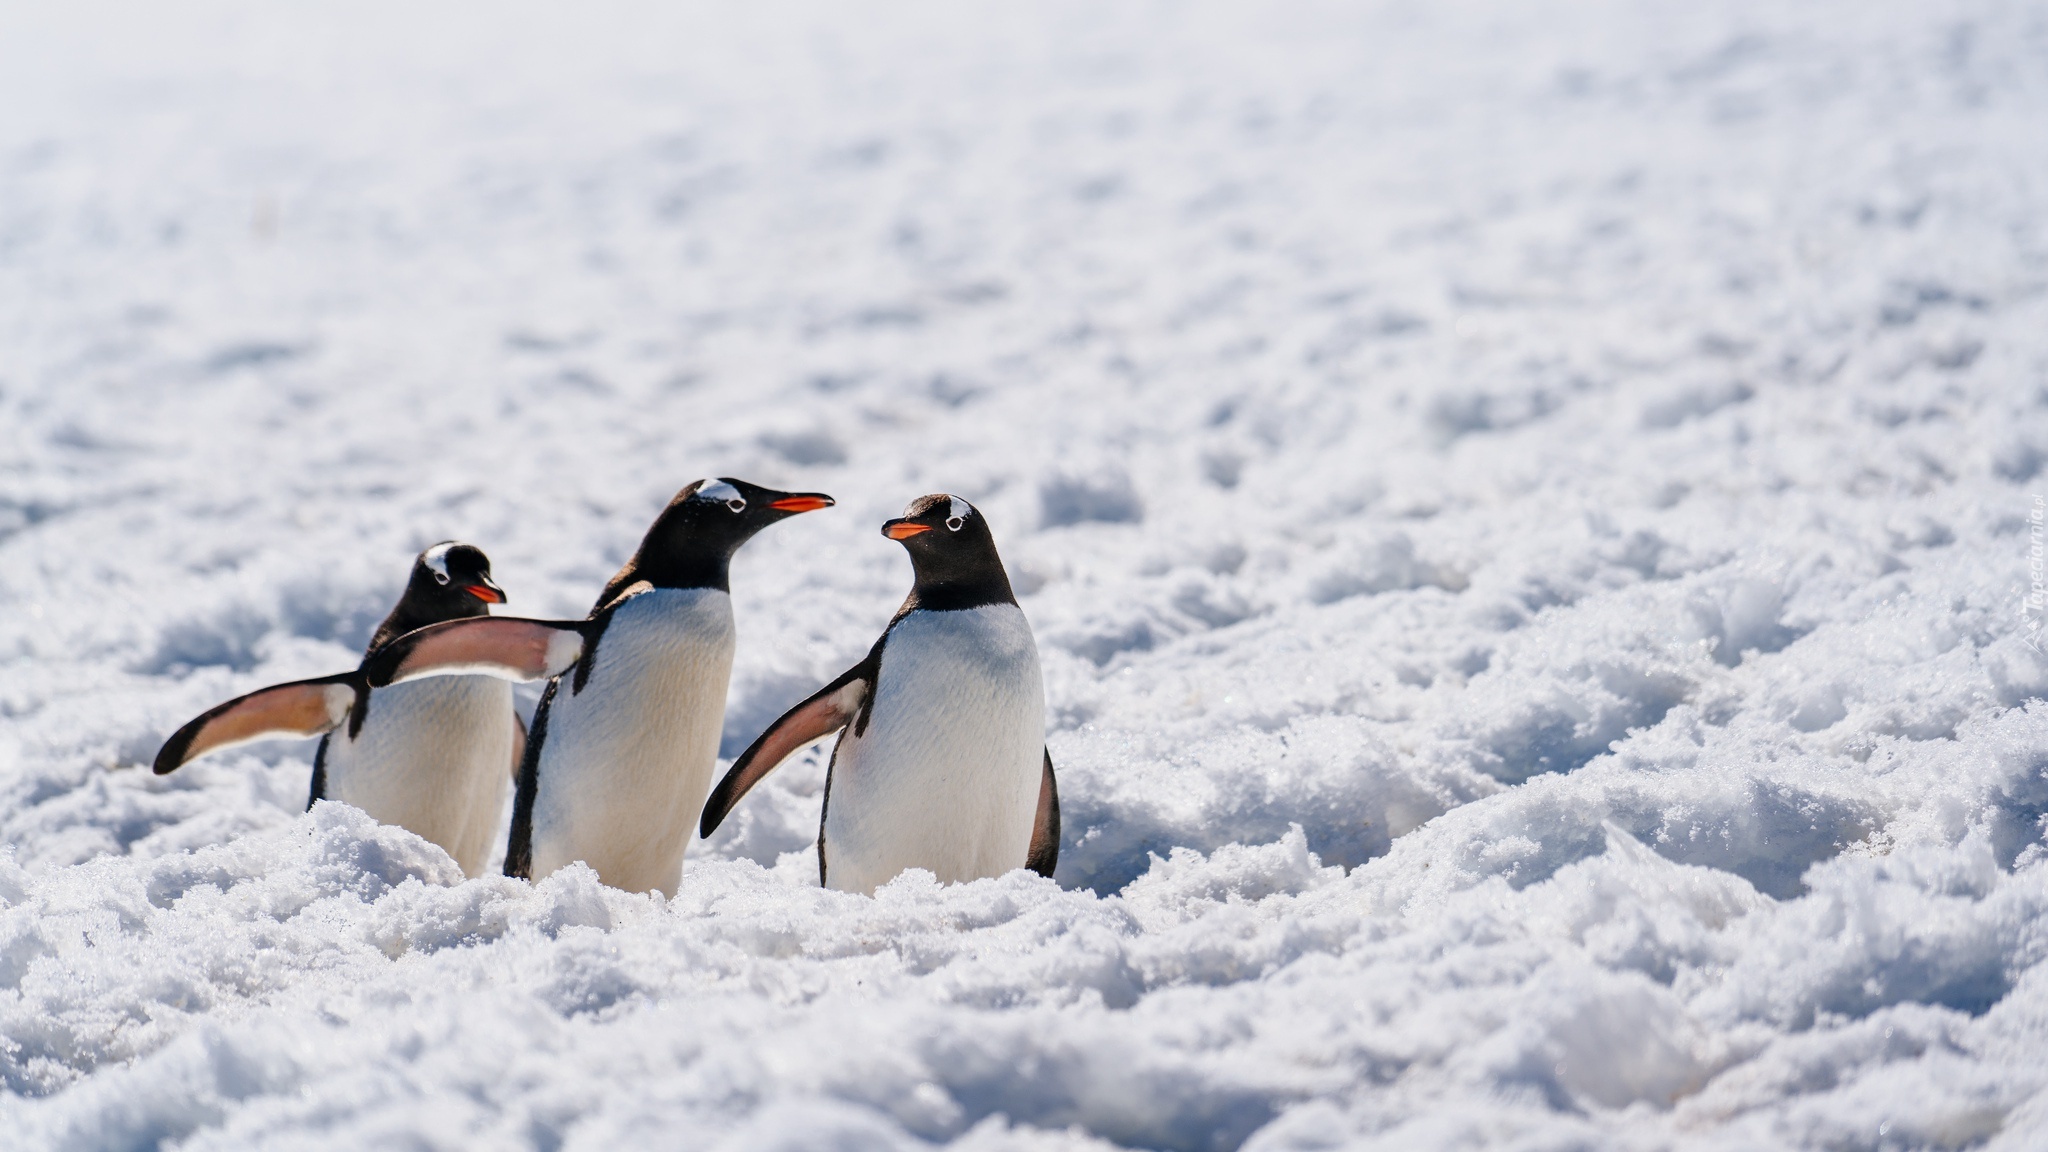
942	763
435	758
625	740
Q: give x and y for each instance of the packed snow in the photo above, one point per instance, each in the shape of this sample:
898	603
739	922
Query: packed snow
1532	513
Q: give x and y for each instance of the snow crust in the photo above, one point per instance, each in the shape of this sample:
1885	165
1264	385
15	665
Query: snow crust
1531	514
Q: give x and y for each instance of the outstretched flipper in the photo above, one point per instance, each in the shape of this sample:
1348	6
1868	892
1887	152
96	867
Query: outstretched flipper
300	708
1045	833
827	711
507	647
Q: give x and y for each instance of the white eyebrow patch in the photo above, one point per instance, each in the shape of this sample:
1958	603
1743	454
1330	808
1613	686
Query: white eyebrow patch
436	559
960	508
720	491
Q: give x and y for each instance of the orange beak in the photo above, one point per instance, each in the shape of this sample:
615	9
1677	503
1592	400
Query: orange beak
904	529
485	594
807	502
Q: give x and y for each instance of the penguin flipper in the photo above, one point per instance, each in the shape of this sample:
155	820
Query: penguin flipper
526	788
518	745
318	791
828	710
1045	833
300	708
507	647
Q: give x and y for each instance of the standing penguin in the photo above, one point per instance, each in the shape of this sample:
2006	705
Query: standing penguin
434	758
626	736
943	763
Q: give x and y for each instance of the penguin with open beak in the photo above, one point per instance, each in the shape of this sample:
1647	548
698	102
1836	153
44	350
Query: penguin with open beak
941	762
433	757
625	740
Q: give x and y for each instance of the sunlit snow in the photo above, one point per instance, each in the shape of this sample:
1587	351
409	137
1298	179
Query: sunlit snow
1532	515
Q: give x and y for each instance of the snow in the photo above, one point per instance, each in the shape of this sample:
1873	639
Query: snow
1532	515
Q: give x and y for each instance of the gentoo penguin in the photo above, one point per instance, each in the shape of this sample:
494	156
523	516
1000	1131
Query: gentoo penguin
626	736
435	758
942	764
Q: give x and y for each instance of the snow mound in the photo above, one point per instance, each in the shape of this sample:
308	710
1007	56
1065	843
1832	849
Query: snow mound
1531	516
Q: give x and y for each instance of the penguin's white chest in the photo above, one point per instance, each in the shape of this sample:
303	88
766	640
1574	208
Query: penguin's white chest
946	774
626	762
433	756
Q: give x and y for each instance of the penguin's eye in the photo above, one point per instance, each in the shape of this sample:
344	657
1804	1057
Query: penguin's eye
440	577
720	492
954	522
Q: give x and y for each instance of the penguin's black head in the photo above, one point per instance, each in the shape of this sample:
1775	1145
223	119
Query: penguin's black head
450	581
952	552
692	542
457	574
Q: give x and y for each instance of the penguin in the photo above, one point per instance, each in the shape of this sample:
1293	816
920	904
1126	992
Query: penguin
942	763
625	740
435	758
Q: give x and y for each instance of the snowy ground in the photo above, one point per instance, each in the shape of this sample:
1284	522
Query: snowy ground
1526	510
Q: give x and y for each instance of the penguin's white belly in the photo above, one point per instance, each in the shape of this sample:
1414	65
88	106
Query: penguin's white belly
626	763
433	756
946	775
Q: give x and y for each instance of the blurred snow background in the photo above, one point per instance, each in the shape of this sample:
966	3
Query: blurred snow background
1527	510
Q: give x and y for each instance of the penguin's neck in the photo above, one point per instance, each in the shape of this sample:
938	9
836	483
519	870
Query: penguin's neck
410	614
697	570
957	592
688	571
